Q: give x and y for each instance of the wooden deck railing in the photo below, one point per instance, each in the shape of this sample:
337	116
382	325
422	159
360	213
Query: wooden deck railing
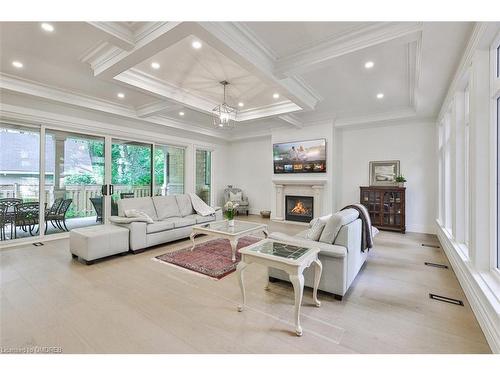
81	194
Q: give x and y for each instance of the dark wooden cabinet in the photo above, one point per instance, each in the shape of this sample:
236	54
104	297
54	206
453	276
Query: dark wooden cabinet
386	205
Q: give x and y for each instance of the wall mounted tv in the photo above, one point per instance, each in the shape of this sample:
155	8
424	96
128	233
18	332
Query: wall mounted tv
300	157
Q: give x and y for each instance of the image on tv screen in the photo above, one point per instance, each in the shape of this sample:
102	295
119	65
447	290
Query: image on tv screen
300	157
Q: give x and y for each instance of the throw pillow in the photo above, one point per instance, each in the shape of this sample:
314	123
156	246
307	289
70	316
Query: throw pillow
315	231
235	197
139	214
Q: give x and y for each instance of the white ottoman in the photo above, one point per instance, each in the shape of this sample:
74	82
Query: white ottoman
99	241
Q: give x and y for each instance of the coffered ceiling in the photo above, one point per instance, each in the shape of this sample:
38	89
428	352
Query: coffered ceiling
281	74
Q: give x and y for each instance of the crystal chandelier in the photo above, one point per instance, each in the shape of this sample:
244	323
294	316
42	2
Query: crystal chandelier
223	115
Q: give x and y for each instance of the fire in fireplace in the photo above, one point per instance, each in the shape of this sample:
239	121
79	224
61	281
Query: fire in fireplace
299	208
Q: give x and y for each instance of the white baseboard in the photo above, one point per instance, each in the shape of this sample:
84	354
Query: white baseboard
484	303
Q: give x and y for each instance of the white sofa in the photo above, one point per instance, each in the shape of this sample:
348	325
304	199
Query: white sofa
173	217
341	259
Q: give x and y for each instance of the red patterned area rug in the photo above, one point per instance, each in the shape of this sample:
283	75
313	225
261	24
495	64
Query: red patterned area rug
211	258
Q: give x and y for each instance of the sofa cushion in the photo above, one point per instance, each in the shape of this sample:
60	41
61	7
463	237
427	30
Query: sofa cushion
323	219
159	226
335	222
144	204
166	206
314	233
200	219
180	222
138	214
334	251
184	203
235	197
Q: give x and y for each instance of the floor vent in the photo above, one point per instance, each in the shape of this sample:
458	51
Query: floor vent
446	299
38	244
434	246
437	265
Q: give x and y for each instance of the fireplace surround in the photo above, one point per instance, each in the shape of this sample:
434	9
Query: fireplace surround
299	208
304	188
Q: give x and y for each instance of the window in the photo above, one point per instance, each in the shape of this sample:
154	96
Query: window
466	167
447	175
169	170
19	181
498	180
204	174
130	169
74	175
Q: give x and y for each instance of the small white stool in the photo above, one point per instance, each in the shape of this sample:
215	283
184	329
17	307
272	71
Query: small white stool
99	241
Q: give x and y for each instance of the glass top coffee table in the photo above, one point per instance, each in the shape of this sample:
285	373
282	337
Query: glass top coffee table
222	229
288	257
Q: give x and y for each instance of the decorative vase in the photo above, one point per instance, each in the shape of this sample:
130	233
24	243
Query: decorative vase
401	184
231	223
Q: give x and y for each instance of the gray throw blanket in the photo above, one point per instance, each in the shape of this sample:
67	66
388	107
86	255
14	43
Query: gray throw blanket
366	229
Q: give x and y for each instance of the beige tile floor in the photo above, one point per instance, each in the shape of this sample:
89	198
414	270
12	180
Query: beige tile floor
132	304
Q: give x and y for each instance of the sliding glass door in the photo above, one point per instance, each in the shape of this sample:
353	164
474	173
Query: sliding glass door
19	181
169	170
74	175
75	171
204	175
131	172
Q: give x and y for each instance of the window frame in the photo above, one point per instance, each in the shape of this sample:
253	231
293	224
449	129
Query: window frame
495	154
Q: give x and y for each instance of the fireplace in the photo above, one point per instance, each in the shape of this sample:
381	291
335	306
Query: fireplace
299	208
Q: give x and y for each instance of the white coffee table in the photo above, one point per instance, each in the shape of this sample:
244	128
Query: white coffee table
287	257
222	229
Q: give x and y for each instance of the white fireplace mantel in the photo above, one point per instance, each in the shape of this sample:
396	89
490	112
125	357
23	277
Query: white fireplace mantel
282	188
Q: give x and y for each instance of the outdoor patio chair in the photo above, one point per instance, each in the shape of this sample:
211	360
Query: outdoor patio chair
97	203
26	217
60	217
3	220
51	213
10	211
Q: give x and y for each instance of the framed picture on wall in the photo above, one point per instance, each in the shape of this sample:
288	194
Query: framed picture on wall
384	173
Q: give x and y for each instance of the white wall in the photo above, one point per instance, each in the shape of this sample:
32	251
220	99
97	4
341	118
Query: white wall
250	168
414	146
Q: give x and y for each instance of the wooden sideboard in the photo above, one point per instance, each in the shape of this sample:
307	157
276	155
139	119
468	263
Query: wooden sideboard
386	205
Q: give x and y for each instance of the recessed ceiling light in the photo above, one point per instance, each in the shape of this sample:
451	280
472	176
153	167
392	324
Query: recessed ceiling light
196	44
380	95
17	64
181	113
121	95
47	27
276	95
240	104
155	65
369	64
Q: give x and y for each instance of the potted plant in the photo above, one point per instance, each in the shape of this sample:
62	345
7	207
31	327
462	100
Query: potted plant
401	180
229	211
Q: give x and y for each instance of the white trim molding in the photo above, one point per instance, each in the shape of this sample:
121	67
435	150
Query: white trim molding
321	53
482	297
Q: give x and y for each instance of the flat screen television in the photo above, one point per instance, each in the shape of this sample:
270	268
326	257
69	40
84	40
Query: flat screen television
300	157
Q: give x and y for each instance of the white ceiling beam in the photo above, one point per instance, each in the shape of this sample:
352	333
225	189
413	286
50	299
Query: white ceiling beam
150	84
153	109
239	43
320	54
292	120
118	34
26	87
149	40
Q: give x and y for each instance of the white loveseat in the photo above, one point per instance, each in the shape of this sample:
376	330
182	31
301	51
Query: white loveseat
173	218
341	259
